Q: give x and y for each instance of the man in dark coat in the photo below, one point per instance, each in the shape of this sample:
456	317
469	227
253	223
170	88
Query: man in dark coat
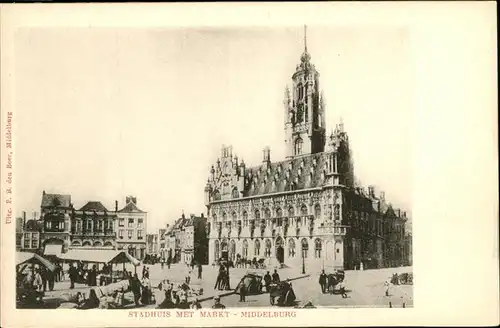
73	274
218	282
276	277
322	281
200	270
242	291
135	287
267	281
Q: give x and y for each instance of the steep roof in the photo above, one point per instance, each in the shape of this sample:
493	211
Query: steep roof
131	208
93	206
58	200
279	176
33	225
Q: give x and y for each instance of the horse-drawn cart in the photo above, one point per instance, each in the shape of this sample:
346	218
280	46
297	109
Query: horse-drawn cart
333	279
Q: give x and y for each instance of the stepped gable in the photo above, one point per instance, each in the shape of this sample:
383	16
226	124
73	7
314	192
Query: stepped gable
280	176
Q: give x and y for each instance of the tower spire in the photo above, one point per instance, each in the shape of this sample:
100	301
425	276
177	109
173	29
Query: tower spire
305	38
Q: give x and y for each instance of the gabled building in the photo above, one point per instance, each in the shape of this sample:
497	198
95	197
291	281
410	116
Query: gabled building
132	227
93	227
55	214
152	244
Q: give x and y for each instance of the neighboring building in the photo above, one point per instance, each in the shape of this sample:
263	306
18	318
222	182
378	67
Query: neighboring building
32	235
20	221
132	227
93	227
55	214
152	244
306	208
162	243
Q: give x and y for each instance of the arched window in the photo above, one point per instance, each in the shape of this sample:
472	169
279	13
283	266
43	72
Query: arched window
291	211
245	248
216	250
279	216
108	243
300	91
291	248
257	214
303	210
224	219
257	248
97	243
317	211
298	146
217	195
267	252
245	219
232	250
86	243
267	216
76	243
236	193
317	248
304	247
234	217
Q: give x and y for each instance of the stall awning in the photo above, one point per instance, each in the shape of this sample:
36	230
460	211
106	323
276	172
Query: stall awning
26	257
53	250
99	256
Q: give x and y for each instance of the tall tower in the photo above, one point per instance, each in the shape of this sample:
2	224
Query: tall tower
304	110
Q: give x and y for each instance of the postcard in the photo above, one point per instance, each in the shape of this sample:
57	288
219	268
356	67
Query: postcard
319	164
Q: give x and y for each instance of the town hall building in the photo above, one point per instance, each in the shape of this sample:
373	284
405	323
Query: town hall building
306	208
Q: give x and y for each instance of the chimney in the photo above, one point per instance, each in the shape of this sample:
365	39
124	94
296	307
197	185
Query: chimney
202	215
267	154
24	219
371	191
116	206
43	193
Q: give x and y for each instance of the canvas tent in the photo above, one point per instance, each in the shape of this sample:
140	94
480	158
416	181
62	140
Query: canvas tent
32	258
99	256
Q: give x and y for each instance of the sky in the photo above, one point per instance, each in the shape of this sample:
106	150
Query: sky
102	113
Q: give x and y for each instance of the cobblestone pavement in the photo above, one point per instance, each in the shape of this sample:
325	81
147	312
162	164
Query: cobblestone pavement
365	288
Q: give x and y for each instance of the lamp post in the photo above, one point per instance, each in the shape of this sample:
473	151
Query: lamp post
303	262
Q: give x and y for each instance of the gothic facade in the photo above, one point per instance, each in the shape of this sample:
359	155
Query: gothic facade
306	208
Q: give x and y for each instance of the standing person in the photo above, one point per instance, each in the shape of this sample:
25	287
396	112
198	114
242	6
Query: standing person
160	294
217	303
192	263
243	291
228	277
267	281
218	282
322	281
200	270
387	286
169	261
276	277
135	286
144	269
342	289
43	274
38	281
146	290
51	278
73	274
162	262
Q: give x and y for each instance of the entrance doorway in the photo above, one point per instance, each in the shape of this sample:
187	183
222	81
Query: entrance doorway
280	252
